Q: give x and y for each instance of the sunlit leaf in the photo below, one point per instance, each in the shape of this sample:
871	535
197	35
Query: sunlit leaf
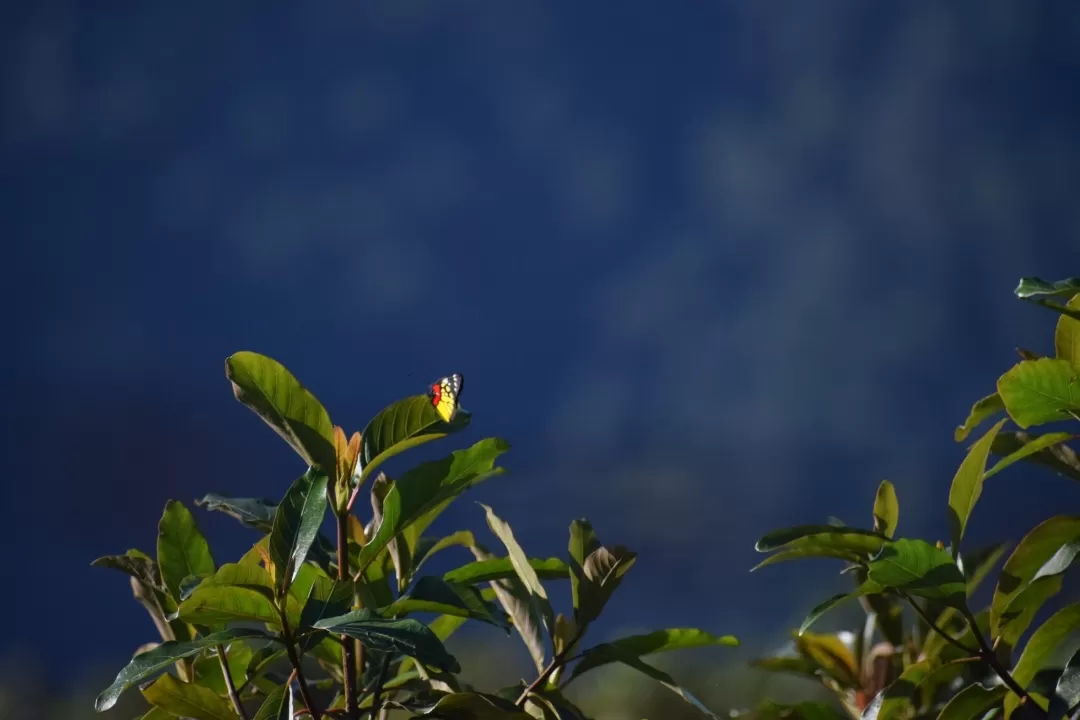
403	425
406	636
1031	554
432	594
967	485
1041	391
524	569
1067	693
972	702
278	705
1037	445
296	524
152	662
1017	616
182	550
886	509
1058	457
919	568
208	669
847	538
497	568
984	408
187	700
265	386
1067	333
831	655
660	641
1040	648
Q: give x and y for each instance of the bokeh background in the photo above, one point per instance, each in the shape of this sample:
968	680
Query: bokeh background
712	267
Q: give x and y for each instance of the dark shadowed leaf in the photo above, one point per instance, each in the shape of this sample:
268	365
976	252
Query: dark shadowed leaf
1067	694
602	574
473	706
254	512
135	563
977	565
1067	334
426	546
972	702
583	542
886	509
1038	291
967	485
1040	648
1029	557
1037	445
406	636
150	663
1041	391
182	550
403	425
1059	457
518	602
812	550
985	408
497	568
187	700
1017	616
426	486
636	646
921	569
794	665
433	594
278	705
658	675
524	569
865	589
296	524
265	386
897	701
845	538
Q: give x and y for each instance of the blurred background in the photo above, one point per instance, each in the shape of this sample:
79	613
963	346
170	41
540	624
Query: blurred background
713	268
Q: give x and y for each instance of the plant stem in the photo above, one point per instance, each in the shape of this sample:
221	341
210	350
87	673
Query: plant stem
990	658
933	626
376	699
556	661
233	695
290	648
348	657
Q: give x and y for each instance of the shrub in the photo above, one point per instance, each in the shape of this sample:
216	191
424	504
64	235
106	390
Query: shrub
305	624
947	659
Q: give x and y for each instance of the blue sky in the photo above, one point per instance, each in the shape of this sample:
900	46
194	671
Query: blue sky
712	268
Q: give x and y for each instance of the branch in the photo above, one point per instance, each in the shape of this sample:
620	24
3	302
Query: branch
376	700
990	658
233	695
290	648
933	626
348	657
558	660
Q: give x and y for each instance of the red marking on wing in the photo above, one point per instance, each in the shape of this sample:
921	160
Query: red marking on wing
436	394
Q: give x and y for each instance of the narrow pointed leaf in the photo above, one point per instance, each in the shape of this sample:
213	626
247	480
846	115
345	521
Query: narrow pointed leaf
182	550
432	594
187	700
972	702
1067	693
1040	648
829	604
967	485
1037	287
428	485
667	640
583	542
844	538
426	548
1041	391
134	563
601	576
518	602
886	509
660	676
1059	457
278	705
1067	334
255	513
498	568
919	568
1018	615
1030	556
265	386
985	408
296	524
473	706
406	636
403	425
1037	445
522	567
152	662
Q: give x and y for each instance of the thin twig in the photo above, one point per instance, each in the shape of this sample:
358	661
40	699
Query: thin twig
376	699
290	648
556	662
348	657
933	626
233	695
990	658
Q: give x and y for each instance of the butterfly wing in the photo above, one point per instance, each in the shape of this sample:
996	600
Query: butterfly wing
445	394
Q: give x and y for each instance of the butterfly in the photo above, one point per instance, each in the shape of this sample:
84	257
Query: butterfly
444	396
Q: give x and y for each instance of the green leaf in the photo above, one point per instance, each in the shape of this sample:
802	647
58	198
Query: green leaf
519	604
1017	616
812	550
428	485
147	664
1029	557
615	655
977	565
278	705
473	706
1041	391
1041	647
1036	445
795	665
253	512
432	594
498	568
967	485
525	572
319	606
1034	287
219	605
296	524
897	701
660	641
832	656
187	700
919	568
842	538
424	550
984	408
832	602
208	668
972	702
403	425
1067	334
886	509
1060	457
134	563
265	386
406	636
182	550
583	542
1067	693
